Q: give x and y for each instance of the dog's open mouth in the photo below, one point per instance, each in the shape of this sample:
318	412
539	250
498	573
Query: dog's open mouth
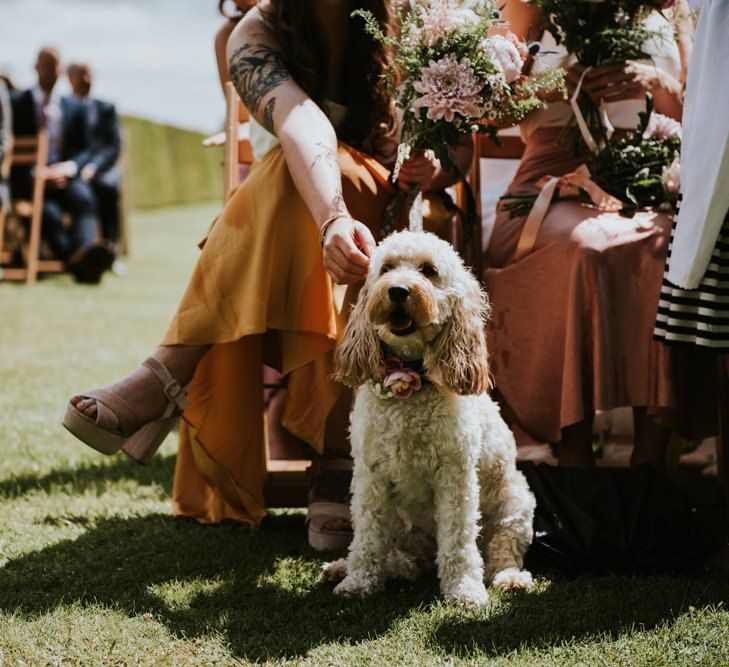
401	322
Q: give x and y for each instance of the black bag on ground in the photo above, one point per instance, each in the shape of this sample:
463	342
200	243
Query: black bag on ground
610	520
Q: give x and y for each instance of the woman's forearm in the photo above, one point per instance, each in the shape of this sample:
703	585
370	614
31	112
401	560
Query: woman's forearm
275	100
668	95
309	144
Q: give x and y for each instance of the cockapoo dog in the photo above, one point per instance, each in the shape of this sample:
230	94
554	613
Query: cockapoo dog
431	452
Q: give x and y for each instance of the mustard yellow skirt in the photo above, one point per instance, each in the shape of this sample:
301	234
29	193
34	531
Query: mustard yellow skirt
259	294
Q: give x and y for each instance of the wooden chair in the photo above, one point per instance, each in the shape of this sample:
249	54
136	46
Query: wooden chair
287	483
237	151
30	152
511	148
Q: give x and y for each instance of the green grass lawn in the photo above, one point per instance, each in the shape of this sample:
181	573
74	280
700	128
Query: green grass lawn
94	570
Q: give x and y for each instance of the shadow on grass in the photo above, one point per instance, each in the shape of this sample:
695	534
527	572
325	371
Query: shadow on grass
90	476
257	588
582	609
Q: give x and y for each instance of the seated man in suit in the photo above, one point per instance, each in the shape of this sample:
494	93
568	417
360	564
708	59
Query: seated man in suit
102	170
70	150
5	122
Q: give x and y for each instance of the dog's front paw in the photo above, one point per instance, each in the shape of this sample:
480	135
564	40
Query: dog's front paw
470	592
356	585
334	571
512	579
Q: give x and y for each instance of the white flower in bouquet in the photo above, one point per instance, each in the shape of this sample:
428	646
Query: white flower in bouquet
442	17
506	56
671	177
449	87
662	127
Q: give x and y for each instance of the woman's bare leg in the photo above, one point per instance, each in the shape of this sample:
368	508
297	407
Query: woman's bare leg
651	440
575	448
141	388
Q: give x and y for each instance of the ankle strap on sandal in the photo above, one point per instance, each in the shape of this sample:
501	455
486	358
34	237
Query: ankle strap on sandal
175	393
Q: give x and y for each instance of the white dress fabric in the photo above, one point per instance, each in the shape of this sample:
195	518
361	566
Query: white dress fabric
705	152
694	304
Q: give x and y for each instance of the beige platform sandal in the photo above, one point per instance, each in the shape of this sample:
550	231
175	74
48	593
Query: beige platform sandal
117	425
329	500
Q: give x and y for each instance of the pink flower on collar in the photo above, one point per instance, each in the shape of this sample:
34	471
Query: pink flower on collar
402	382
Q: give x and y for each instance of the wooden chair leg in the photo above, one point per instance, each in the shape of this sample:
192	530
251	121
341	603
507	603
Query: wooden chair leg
36	222
3	213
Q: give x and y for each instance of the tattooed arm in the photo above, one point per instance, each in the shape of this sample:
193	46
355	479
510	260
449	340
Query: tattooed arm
308	141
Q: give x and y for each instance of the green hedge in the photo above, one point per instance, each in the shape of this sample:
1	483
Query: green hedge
167	165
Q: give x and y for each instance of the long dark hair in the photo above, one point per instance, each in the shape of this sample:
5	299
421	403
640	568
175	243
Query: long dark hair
369	111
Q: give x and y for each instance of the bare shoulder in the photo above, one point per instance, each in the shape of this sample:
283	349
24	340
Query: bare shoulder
252	28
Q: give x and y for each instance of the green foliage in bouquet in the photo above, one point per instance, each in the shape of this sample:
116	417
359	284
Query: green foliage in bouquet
600	31
448	76
633	167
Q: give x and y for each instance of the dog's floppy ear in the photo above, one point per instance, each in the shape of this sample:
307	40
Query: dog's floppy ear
358	355
458	358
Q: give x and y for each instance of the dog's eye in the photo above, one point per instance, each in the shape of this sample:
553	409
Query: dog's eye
386	268
428	270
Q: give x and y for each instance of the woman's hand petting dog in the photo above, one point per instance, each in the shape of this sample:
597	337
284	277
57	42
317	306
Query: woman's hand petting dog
348	246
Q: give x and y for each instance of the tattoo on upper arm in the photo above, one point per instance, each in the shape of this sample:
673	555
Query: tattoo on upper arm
268	114
256	70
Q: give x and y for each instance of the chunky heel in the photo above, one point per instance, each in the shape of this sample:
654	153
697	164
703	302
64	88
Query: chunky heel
118	427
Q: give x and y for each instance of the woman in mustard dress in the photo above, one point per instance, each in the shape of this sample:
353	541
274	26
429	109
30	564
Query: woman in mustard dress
261	292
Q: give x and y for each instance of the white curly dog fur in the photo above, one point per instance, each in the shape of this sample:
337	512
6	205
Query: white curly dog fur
428	467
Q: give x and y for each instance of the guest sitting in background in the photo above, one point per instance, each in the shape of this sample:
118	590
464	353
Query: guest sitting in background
102	170
5	123
70	151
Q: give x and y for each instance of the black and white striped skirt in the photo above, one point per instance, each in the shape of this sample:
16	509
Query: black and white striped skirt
699	316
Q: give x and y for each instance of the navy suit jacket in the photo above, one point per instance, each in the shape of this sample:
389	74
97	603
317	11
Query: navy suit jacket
76	143
105	136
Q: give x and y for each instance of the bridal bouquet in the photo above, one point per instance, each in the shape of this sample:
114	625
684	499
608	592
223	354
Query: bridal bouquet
637	170
599	32
642	169
449	75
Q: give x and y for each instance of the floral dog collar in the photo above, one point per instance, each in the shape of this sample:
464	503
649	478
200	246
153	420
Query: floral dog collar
398	381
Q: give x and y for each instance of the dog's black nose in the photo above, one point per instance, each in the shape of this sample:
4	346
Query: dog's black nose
398	294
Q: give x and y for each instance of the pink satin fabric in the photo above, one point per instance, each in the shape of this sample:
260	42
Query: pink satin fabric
572	321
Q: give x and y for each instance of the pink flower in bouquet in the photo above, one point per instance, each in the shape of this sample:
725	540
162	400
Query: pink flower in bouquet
662	127
402	383
442	17
671	176
449	87
506	56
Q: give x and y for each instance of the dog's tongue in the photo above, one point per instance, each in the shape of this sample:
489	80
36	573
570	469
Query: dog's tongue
400	321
